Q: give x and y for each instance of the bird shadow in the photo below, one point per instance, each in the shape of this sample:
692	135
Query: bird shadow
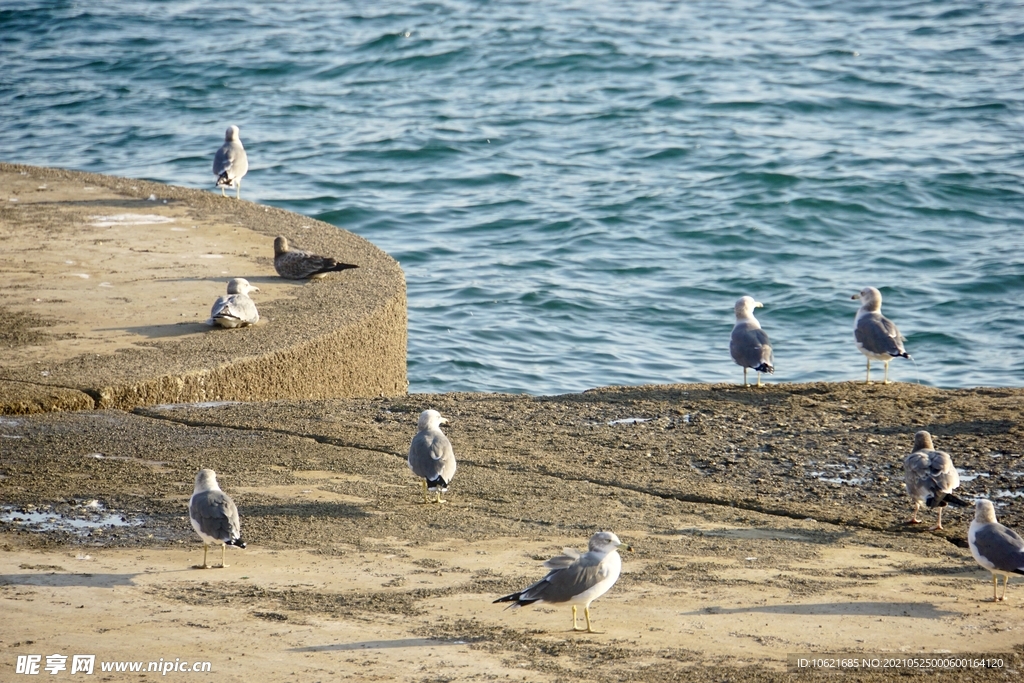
309	509
815	536
67	580
374	645
161	331
915	610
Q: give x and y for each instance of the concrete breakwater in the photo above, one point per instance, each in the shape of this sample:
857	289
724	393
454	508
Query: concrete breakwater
108	282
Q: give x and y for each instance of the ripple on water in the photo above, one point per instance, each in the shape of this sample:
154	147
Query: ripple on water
578	198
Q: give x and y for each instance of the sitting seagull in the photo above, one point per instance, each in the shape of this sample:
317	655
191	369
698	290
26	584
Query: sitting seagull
431	456
296	264
876	335
996	548
236	309
930	478
213	515
231	162
749	345
576	579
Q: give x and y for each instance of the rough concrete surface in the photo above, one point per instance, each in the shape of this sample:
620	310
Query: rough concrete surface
766	522
107	283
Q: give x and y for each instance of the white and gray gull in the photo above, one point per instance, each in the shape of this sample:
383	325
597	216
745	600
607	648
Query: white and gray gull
877	336
930	478
996	548
296	264
213	515
749	344
576	579
236	309
231	162
431	456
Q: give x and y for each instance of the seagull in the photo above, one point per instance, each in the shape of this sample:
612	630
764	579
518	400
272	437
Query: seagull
576	579
231	163
930	478
996	548
877	336
296	264
236	309
749	345
213	515
431	456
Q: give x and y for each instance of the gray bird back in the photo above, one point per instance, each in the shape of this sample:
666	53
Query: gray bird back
749	345
878	334
231	159
1003	547
235	307
300	265
431	455
929	472
562	585
216	515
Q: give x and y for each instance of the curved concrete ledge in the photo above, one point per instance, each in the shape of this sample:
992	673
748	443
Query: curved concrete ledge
107	282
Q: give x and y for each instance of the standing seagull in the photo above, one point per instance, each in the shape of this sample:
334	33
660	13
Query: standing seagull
213	515
930	478
296	264
576	579
236	309
876	335
996	548
749	345
431	456
231	163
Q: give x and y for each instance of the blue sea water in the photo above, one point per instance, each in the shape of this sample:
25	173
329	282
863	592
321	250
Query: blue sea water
578	192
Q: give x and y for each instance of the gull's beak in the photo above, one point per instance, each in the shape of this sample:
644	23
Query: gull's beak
758	304
629	548
255	289
444	420
856	296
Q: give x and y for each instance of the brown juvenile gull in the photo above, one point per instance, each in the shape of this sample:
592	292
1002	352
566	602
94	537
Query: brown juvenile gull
213	515
236	309
576	579
996	548
749	345
930	478
296	264
877	336
231	163
431	456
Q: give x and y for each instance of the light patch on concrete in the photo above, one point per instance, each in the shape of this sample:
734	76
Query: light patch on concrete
129	219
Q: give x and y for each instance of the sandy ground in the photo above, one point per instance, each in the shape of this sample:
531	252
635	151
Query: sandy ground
765	524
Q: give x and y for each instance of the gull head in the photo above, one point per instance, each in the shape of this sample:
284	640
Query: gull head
922	440
604	542
871	297
240	285
206	480
280	245
231	134
745	306
431	419
984	512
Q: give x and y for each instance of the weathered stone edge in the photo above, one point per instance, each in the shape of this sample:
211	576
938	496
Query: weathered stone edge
363	358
